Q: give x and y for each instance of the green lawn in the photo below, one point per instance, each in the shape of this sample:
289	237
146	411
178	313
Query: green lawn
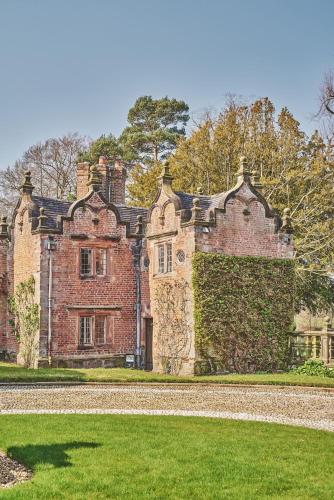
122	456
13	373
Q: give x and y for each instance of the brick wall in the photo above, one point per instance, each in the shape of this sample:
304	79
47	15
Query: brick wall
26	253
245	229
112	295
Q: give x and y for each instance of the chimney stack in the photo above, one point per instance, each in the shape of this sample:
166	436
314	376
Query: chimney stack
112	177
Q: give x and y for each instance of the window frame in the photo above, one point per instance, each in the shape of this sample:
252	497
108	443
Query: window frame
90	318
104	253
93	251
92	321
105	328
81	253
164	258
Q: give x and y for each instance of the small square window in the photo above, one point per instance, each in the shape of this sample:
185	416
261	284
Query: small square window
85	330
85	262
101	261
100	329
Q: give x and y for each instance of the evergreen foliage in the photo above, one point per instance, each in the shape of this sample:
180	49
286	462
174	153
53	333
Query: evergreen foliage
154	128
243	312
105	145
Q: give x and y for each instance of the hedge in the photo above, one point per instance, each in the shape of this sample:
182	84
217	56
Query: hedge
243	312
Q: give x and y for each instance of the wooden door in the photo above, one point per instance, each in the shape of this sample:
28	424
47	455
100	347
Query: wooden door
148	344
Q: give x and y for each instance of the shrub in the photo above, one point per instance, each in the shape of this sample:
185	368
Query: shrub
243	312
314	367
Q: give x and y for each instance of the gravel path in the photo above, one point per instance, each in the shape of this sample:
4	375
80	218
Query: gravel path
308	407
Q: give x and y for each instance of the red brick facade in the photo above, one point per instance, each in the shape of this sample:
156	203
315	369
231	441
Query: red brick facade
96	274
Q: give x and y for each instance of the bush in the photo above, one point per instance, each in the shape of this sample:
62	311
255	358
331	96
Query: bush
314	367
243	312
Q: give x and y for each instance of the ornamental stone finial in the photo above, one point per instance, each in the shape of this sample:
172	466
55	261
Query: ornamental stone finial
166	177
27	186
139	225
42	218
94	179
243	173
287	224
255	180
196	211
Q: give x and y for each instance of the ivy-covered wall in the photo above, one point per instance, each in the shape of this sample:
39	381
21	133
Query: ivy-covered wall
243	312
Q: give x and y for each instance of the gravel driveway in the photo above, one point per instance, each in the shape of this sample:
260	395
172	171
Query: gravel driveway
306	407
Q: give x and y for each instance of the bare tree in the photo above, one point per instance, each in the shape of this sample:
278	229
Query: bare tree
53	167
327	95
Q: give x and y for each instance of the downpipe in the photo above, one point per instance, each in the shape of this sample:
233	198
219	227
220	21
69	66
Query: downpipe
50	246
136	252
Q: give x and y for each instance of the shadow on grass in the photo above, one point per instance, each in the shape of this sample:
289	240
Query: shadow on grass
54	454
15	373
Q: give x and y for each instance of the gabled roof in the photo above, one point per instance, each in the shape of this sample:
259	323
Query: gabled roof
185	202
55	208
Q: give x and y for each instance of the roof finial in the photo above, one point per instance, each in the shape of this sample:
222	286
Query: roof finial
196	211
166	177
255	180
139	225
27	186
42	219
287	225
243	173
94	182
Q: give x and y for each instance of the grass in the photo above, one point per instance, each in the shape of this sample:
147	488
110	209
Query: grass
13	373
142	457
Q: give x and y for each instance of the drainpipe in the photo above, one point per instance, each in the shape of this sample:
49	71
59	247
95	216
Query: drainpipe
50	245
136	252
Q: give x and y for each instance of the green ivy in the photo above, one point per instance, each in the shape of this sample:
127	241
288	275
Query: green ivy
244	308
25	322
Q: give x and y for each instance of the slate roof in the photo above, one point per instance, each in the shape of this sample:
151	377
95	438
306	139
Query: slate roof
205	202
129	214
54	208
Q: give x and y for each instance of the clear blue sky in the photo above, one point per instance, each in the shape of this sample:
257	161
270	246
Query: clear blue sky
78	65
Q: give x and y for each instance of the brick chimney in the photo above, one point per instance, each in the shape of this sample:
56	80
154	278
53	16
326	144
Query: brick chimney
113	179
82	179
118	179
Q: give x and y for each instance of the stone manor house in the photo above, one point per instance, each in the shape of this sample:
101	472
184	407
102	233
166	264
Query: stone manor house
98	264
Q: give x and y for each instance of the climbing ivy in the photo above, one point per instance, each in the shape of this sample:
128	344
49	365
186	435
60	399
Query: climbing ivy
25	322
243	312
